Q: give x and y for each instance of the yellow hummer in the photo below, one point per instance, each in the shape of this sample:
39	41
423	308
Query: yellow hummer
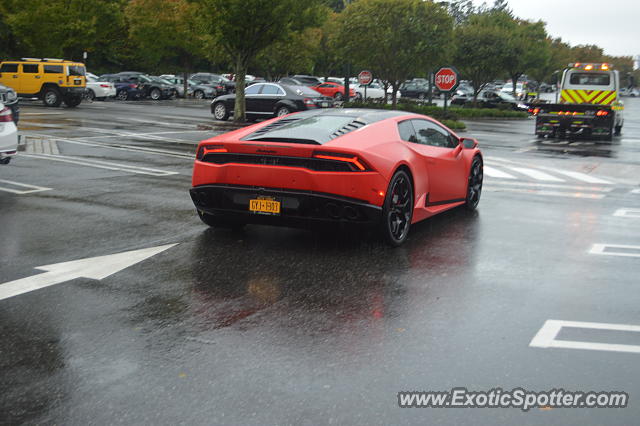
52	80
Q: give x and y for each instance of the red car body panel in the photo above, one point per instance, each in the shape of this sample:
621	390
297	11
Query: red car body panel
440	175
330	89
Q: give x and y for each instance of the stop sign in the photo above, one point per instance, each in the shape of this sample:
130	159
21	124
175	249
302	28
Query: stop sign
365	77
446	79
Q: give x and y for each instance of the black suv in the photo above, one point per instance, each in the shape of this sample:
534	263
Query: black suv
155	89
215	80
9	98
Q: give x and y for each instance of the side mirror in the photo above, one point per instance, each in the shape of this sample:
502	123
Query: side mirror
469	143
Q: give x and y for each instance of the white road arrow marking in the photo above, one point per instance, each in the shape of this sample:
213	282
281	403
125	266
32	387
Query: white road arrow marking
96	268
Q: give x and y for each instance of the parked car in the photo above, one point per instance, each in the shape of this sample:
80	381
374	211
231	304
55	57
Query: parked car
521	89
51	80
415	91
266	100
490	99
155	89
630	91
9	98
334	90
195	89
214	80
8	135
98	89
126	90
308	80
546	88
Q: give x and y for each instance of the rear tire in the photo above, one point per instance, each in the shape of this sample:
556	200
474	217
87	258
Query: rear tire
122	95
220	111
338	96
91	95
198	94
51	97
155	94
397	210
215	222
282	111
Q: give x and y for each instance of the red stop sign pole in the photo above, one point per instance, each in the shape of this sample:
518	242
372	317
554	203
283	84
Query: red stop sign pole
446	80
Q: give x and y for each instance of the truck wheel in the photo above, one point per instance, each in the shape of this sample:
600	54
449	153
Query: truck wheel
618	130
51	97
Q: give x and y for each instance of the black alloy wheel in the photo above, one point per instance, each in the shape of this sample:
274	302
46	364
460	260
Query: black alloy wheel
474	185
398	209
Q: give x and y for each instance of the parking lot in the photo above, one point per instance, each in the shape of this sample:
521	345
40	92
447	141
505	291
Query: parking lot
169	322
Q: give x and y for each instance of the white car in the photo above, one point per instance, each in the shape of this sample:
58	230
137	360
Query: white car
629	91
8	135
374	91
99	90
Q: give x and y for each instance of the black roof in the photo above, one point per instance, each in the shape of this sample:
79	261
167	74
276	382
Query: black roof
319	126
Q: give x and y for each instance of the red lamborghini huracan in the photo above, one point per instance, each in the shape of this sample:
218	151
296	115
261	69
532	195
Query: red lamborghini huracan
384	168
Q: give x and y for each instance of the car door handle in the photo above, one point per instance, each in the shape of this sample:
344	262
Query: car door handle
15	76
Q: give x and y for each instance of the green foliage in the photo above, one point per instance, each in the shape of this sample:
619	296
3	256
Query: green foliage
395	39
66	28
478	50
167	32
452	114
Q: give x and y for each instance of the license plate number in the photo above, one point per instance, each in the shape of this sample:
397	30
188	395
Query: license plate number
264	206
324	104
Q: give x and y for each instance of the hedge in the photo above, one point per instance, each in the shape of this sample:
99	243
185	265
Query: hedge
452	115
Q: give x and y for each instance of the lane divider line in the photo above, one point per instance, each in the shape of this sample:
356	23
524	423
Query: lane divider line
627	212
102	164
546	336
623	250
536	174
31	188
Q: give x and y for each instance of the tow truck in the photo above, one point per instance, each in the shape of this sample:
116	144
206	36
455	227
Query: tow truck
589	106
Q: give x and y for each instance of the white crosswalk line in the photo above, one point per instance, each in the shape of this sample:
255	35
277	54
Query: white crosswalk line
491	172
584	177
536	174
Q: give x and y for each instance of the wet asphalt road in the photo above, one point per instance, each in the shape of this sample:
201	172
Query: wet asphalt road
281	326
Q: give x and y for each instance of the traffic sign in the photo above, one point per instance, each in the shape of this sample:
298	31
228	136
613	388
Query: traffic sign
365	77
446	79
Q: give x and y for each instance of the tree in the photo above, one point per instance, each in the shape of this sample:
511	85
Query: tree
478	52
525	45
396	39
168	32
67	28
295	55
243	29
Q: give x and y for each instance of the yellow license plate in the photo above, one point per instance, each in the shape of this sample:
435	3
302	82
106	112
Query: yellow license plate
264	206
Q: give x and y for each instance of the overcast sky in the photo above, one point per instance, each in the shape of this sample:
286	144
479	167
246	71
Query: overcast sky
613	25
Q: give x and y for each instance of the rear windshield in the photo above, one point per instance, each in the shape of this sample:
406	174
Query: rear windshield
76	70
590	79
315	129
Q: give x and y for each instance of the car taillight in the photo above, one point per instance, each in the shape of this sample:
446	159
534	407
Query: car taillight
133	86
602	113
5	115
207	149
356	163
105	85
309	102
